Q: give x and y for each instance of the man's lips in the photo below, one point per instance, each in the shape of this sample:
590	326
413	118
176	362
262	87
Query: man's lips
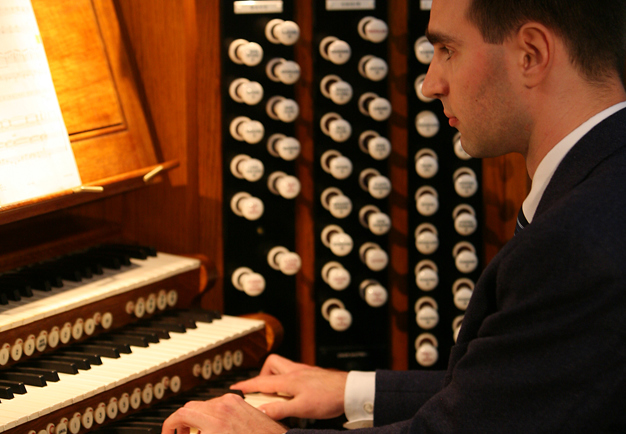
453	121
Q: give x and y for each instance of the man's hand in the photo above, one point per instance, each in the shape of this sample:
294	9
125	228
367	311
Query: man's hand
316	393
227	414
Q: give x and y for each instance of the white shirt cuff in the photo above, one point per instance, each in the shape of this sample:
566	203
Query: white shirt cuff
359	397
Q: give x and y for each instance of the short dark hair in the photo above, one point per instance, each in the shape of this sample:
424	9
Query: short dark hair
594	31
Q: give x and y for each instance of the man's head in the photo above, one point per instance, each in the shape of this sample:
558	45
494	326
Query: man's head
594	31
519	75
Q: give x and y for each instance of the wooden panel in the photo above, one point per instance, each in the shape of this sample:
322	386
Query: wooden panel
398	268
79	65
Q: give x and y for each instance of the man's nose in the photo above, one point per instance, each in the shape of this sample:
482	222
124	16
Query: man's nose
434	85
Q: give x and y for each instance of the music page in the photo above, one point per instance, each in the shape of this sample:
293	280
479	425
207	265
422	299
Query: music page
36	157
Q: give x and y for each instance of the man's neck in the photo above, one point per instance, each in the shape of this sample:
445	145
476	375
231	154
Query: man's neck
555	121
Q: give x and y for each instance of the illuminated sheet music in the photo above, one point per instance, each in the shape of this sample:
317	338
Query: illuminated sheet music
36	157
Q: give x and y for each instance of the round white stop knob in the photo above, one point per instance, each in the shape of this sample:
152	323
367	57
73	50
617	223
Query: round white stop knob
374	106
426	200
465	182
246	130
465	257
338	91
246	206
427	124
373	182
373	68
278	31
246	280
287	148
335	50
426	163
334	311
458	148
282	109
462	297
426	275
373	256
336	127
336	276
373	293
465	222
339	205
246	53
419	82
283	185
282	71
373	29
424	50
426	313
375	220
337	240
279	258
426	239
244	167
426	352
243	90
374	144
337	165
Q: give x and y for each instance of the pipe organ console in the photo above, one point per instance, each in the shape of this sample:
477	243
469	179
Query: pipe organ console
289	145
109	331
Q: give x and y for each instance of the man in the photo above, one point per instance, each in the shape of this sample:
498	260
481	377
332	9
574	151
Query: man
543	342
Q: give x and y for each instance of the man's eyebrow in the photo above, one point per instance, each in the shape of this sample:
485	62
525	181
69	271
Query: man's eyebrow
440	38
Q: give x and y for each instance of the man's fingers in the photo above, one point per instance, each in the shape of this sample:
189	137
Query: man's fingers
265	384
182	420
276	364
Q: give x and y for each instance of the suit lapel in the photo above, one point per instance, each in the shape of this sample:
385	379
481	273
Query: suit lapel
599	143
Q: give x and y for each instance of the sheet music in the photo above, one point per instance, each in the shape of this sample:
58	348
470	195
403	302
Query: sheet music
36	156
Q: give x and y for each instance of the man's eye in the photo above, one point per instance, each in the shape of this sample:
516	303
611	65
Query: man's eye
446	51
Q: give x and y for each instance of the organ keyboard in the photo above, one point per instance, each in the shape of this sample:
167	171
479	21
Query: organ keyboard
121	341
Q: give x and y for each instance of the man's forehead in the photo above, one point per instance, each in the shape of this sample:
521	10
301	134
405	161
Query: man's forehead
447	20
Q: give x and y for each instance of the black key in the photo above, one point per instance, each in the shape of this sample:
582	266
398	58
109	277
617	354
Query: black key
22	377
17	387
121	347
206	316
106	261
133	251
51	276
137	341
176	324
100	350
23	280
93	359
82	363
123	258
11	294
57	365
149	337
66	271
161	332
48	374
3	299
170	327
86	265
6	392
150	251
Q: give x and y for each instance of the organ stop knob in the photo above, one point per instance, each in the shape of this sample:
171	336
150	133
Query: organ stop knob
334	311
246	280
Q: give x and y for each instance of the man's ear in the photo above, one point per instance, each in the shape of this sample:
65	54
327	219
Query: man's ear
535	48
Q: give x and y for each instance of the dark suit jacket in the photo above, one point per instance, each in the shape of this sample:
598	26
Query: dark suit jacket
543	342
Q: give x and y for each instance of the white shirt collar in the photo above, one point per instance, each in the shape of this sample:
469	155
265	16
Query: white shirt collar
551	161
